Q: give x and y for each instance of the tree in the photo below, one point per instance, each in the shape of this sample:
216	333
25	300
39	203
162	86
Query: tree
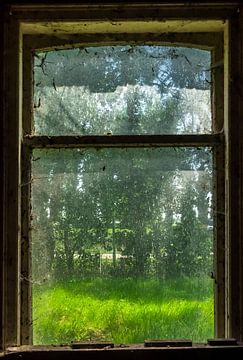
156	195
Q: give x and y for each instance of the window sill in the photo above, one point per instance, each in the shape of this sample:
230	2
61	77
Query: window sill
138	351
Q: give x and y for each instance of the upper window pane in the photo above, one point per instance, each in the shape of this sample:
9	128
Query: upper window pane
122	90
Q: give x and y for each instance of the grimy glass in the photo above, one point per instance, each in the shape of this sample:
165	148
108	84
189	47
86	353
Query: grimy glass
122	236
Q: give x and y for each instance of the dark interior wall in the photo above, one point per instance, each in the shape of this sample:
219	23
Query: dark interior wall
8	3
1	169
186	2
195	353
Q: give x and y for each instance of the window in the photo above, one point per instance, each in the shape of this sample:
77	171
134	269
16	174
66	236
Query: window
122	143
129	166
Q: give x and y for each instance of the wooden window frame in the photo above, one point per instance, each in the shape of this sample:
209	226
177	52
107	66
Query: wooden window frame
209	41
19	21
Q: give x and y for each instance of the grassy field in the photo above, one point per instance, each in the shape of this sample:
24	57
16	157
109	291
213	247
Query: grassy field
124	311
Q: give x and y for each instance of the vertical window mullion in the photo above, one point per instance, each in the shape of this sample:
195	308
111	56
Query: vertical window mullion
219	186
25	275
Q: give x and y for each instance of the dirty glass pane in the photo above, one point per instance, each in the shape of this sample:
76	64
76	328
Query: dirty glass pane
122	90
122	244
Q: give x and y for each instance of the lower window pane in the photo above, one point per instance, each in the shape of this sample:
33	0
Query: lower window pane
122	244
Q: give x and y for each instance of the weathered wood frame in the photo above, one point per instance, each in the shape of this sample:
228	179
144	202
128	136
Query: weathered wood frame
16	288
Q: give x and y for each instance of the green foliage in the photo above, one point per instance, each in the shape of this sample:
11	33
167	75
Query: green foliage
89	203
154	194
123	310
122	90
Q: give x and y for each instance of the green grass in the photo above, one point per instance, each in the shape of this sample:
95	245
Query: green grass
122	310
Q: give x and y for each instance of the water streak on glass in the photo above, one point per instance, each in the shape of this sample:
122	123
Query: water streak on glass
126	89
122	244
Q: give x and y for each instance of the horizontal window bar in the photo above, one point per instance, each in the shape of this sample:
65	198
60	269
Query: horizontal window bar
122	141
